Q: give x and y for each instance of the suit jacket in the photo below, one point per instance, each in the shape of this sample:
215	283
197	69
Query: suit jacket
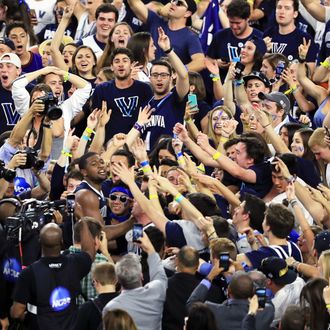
230	314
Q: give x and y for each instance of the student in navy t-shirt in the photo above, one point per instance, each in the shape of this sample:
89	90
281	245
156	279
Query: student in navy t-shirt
18	33
124	96
277	226
227	44
185	43
169	104
286	37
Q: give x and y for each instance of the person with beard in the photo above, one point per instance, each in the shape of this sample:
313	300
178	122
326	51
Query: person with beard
123	95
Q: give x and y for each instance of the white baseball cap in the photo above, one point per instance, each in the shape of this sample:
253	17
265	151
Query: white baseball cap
11	58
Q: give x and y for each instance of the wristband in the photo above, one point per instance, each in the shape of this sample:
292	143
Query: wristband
188	121
85	137
181	161
238	82
178	198
327	306
216	155
292	89
215	79
301	60
138	127
214	75
89	130
208	236
68	154
145	163
146	169
66	76
325	64
168	50
153	196
179	154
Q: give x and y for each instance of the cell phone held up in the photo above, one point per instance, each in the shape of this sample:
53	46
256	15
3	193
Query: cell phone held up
262	297
192	99
224	261
137	232
239	68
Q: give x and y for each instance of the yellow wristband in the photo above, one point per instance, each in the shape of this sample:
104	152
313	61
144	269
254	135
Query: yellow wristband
327	306
66	76
325	64
178	197
146	169
153	196
65	153
215	79
89	130
216	155
188	121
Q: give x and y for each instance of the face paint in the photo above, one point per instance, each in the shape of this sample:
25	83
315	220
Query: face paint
220	114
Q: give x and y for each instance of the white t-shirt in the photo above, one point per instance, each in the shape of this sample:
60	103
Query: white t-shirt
45	12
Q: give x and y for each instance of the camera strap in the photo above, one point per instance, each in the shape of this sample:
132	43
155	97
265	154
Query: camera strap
20	248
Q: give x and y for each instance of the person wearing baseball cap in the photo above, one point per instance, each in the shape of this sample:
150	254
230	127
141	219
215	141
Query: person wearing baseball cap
284	284
183	41
6	46
278	105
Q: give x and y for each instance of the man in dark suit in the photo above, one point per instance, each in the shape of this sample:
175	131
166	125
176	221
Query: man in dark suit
230	314
180	287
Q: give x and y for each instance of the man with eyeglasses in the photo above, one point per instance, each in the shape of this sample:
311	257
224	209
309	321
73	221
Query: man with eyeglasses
168	104
185	43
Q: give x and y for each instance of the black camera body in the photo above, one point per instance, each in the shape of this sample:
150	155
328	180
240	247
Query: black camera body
5	173
52	110
32	160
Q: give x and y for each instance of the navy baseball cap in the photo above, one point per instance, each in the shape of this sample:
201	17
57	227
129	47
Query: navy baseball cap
322	241
257	75
277	270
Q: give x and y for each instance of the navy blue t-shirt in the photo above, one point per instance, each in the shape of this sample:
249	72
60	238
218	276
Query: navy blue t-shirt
168	111
49	30
264	181
288	44
8	115
291	249
125	104
184	42
34	64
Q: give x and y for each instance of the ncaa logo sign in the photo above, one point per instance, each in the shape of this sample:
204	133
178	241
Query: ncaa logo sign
60	299
11	269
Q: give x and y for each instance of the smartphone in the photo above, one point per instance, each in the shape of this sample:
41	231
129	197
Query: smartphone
224	261
279	69
192	99
70	202
262	297
137	232
327	131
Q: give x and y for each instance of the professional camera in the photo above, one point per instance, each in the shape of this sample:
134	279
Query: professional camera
5	173
32	160
32	216
52	110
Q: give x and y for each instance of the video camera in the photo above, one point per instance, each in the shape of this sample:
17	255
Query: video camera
52	110
31	216
5	173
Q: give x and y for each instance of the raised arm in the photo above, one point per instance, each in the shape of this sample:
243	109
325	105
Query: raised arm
139	9
182	80
57	40
315	8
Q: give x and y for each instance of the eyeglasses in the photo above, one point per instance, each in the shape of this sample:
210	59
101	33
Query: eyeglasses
121	198
179	3
163	75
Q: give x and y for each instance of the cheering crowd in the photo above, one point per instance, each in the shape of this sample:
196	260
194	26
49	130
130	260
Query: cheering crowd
164	165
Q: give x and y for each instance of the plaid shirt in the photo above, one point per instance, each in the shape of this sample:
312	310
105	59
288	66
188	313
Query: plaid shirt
87	287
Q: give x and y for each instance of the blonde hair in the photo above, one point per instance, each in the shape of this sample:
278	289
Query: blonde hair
210	128
325	260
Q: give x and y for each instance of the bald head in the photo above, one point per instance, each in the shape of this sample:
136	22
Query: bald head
51	237
188	257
